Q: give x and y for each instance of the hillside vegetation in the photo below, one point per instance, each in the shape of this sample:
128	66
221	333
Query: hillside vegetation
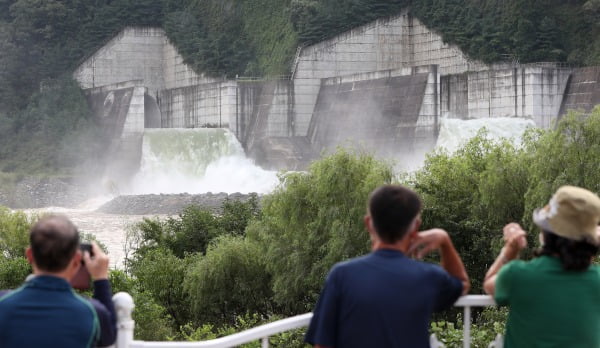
42	41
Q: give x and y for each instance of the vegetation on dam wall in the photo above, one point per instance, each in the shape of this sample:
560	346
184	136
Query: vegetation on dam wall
198	276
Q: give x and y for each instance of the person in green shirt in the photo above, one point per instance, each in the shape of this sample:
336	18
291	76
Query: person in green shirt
553	299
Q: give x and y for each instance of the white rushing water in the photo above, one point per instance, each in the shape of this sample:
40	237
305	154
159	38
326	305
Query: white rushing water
197	161
455	132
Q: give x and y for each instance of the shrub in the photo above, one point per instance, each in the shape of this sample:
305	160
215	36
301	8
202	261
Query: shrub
193	229
14	233
228	281
152	322
161	274
289	339
472	194
314	221
13	272
490	323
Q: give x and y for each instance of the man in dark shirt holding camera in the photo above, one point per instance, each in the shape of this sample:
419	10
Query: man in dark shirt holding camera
45	311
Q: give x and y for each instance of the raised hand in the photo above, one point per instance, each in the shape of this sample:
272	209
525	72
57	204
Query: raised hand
425	242
98	264
514	239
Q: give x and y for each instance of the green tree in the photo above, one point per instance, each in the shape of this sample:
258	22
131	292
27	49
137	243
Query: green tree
14	233
161	274
13	271
230	280
314	221
567	155
472	194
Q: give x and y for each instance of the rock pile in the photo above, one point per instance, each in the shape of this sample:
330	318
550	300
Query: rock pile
169	204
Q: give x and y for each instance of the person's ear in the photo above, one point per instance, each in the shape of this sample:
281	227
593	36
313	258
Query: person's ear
418	223
413	234
29	256
78	256
368	223
76	260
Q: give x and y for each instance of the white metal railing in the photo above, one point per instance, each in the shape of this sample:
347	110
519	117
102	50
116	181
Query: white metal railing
125	325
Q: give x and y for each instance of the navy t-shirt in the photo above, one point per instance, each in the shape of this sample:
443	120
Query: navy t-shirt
46	312
382	299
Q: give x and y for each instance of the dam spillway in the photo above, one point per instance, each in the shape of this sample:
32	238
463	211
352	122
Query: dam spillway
197	161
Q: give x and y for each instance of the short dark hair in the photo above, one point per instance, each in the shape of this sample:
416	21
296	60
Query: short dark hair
393	208
574	255
53	240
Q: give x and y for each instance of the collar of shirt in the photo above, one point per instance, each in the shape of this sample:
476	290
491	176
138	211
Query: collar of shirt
388	253
48	282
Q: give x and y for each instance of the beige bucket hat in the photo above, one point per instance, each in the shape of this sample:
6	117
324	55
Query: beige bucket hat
572	213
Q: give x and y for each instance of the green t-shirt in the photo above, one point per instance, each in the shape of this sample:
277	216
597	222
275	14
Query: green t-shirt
549	307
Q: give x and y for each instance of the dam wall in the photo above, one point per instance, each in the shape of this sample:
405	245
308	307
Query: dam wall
209	105
392	43
583	90
138	53
120	111
383	85
531	91
390	113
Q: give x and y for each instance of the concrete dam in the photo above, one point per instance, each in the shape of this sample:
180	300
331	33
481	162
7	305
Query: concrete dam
383	87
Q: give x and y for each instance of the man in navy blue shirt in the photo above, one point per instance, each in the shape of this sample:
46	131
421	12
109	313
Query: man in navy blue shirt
45	311
385	298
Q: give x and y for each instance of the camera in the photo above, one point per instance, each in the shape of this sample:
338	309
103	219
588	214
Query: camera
85	247
82	278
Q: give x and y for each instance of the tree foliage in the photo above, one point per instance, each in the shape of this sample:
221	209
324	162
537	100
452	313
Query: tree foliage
315	220
170	251
487	184
472	194
14	233
230	280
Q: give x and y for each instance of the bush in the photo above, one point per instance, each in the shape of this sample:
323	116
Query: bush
193	229
14	233
472	194
313	221
13	272
490	323
152	322
289	339
161	274
567	155
228	281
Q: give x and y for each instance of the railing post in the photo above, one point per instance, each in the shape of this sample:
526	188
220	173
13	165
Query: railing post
467	328
265	342
125	324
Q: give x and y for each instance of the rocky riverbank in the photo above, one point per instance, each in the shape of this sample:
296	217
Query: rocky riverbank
169	204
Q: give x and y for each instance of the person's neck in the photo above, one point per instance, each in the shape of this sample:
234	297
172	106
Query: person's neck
62	275
401	246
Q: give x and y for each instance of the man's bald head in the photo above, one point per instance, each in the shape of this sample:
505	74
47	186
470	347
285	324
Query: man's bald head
53	240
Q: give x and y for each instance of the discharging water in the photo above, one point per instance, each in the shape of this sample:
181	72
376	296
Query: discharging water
456	132
197	161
